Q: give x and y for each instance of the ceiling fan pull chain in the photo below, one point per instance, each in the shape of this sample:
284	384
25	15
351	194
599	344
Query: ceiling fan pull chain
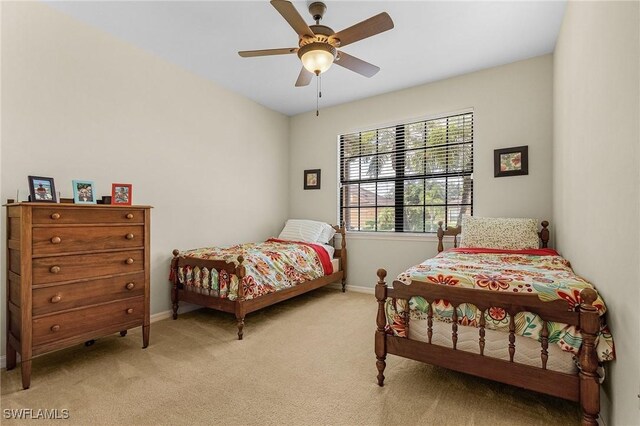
320	91
317	97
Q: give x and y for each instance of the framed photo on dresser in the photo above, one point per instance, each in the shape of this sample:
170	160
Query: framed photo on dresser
42	189
121	193
84	192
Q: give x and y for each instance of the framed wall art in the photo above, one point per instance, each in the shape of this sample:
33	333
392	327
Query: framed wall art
312	179
84	192
42	189
511	161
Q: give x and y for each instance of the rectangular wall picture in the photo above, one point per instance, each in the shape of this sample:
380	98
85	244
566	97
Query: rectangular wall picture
312	179
511	161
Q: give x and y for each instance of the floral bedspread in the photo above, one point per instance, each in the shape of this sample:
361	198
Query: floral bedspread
548	275
270	266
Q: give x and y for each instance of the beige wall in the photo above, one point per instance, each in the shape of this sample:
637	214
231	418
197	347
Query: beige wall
596	182
512	107
80	104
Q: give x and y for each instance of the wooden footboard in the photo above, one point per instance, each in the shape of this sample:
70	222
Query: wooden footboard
583	387
241	307
180	292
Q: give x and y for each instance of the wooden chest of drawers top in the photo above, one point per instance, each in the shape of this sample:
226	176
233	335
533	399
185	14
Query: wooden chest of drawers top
54	214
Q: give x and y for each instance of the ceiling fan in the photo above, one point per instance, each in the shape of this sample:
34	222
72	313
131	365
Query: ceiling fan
318	44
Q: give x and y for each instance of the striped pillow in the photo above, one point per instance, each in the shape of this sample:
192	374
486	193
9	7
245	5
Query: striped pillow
301	230
327	233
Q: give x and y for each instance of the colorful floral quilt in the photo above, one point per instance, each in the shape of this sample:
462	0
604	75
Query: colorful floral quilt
545	273
270	266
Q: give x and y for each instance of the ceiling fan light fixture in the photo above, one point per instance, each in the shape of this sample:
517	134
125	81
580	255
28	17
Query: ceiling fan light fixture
317	57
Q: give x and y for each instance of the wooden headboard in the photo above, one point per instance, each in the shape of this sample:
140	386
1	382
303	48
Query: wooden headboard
454	232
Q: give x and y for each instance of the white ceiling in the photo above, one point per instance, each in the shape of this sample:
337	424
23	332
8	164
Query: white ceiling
431	41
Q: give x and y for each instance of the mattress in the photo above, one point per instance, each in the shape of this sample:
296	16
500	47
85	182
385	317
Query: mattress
336	265
496	345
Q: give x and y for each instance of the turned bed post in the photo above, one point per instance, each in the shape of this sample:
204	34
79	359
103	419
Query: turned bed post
240	309
343	255
544	234
174	287
449	231
589	378
381	322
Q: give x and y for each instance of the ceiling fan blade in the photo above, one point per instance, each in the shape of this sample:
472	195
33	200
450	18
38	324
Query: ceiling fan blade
357	65
291	15
367	28
267	52
304	78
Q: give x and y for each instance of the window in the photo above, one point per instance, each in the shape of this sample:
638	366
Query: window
407	177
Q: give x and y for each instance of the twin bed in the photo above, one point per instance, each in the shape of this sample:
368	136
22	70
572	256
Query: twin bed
514	314
499	307
245	278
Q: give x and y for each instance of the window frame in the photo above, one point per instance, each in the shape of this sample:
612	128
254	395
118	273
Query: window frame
404	235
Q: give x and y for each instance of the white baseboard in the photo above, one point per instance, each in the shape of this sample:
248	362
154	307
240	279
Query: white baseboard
159	316
184	308
354	288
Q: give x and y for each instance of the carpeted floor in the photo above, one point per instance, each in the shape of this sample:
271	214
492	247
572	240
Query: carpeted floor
305	361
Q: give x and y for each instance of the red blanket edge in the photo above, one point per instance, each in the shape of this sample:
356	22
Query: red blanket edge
322	253
531	252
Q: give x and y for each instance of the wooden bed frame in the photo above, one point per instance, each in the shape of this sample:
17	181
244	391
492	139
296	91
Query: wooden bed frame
241	307
583	386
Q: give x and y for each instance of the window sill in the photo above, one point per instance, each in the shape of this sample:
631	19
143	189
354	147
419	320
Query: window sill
392	236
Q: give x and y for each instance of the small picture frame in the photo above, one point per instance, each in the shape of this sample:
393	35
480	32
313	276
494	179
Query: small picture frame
312	179
84	192
121	194
42	189
511	161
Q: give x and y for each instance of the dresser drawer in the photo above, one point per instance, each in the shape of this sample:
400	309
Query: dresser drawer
68	324
86	215
54	240
76	267
68	296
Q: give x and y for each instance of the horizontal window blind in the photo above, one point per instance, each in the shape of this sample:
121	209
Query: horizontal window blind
407	177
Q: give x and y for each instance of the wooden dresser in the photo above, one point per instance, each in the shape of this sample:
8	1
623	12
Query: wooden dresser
74	273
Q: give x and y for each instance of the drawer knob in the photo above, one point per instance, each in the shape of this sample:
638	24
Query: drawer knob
130	286
129	236
129	261
130	310
55	216
55	328
129	216
56	240
56	298
54	269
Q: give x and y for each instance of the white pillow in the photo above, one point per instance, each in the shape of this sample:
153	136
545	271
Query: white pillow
327	233
499	233
301	230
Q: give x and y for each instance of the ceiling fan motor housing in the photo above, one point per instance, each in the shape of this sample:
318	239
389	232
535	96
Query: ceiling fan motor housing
316	45
322	34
